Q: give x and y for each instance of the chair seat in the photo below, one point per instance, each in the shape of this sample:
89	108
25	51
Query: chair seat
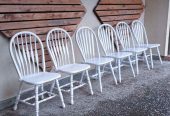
150	45
73	68
119	55
99	61
135	50
40	78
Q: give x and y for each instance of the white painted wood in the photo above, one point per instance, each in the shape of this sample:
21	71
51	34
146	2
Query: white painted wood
24	51
60	48
87	42
129	43
110	45
140	35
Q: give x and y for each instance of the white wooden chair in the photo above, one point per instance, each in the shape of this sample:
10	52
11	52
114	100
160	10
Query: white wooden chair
88	45
140	35
108	39
27	53
127	41
60	47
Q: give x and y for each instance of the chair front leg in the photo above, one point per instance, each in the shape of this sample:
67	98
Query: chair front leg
151	58
159	55
146	60
71	89
89	82
119	70
136	59
18	96
99	74
36	101
130	62
113	74
60	94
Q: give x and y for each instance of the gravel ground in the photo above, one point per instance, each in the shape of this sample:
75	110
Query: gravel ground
146	95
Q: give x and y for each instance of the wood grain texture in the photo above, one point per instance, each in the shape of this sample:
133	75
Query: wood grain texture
113	11
39	16
60	2
122	2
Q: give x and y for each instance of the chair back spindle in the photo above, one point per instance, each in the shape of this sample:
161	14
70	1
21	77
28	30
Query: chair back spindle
87	42
60	47
125	35
139	32
108	38
27	53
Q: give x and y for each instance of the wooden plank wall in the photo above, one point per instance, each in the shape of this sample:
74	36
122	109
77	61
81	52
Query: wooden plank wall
39	16
113	11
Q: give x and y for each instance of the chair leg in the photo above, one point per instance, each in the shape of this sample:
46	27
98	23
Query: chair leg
89	82
146	60
113	74
18	96
130	62
119	70
151	58
71	89
159	55
36	101
99	74
52	87
136	59
82	77
60	94
42	90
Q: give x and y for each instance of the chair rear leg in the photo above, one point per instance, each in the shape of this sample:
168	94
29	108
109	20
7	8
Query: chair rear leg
82	77
99	74
113	74
36	101
18	96
71	89
42	90
60	94
89	82
130	62
151	57
146	60
52	87
136	59
159	55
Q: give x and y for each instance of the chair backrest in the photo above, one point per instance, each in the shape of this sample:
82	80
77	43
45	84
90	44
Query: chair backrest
139	32
108	38
27	53
87	43
125	35
60	47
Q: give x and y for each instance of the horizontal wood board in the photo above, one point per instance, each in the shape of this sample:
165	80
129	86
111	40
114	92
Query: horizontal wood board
114	11
39	16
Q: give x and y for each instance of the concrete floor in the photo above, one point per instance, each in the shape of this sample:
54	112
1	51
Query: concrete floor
146	95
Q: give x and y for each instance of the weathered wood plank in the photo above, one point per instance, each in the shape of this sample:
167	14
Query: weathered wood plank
118	12
113	23
118	7
120	18
40	2
36	24
44	30
120	2
39	16
43	36
39	8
